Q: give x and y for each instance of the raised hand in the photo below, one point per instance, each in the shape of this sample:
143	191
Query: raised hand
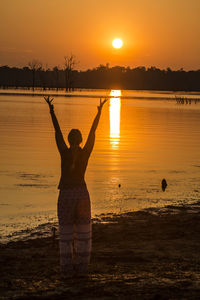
49	102
101	104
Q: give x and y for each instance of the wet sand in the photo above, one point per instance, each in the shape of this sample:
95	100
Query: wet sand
150	254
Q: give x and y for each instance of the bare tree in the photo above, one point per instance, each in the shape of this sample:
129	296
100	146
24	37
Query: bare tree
34	66
56	76
44	76
69	64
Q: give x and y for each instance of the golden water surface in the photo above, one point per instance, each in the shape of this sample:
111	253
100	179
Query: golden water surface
138	143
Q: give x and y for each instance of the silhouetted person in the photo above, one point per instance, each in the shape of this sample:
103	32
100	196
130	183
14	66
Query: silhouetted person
164	184
74	212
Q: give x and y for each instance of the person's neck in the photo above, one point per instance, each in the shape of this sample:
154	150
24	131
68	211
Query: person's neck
74	147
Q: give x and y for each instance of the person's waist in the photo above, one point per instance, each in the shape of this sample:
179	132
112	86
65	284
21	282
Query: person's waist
80	188
67	184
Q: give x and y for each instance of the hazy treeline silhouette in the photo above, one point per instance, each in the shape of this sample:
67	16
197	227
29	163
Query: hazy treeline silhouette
103	76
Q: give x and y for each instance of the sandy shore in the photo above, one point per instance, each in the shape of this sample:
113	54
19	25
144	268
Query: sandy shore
151	254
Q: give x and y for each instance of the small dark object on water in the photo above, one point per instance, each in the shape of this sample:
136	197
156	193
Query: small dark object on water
119	185
164	185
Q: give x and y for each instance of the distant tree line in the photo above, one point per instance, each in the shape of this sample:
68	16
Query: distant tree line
102	77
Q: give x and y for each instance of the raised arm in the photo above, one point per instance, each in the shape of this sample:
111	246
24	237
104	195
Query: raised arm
91	137
58	133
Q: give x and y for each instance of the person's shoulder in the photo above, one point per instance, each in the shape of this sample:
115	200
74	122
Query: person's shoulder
85	152
81	150
65	151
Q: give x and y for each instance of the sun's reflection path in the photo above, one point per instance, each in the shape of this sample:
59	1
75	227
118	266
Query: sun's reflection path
115	110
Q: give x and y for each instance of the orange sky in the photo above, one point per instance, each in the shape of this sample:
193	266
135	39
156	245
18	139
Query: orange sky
157	33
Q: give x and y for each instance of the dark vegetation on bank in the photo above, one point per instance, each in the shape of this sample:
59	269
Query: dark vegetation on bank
101	77
150	254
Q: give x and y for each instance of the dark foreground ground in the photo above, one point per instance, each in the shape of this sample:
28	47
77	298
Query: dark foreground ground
144	255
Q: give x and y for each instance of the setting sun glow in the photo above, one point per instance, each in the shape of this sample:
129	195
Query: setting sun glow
115	110
115	93
117	43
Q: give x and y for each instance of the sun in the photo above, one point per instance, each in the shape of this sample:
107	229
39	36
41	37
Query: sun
117	43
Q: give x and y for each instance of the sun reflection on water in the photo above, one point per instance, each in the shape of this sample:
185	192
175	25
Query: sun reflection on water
115	93
115	110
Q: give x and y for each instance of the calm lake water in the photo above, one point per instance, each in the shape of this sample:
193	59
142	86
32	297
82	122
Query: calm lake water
138	143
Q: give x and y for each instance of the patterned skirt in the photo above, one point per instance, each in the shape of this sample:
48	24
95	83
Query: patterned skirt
74	216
